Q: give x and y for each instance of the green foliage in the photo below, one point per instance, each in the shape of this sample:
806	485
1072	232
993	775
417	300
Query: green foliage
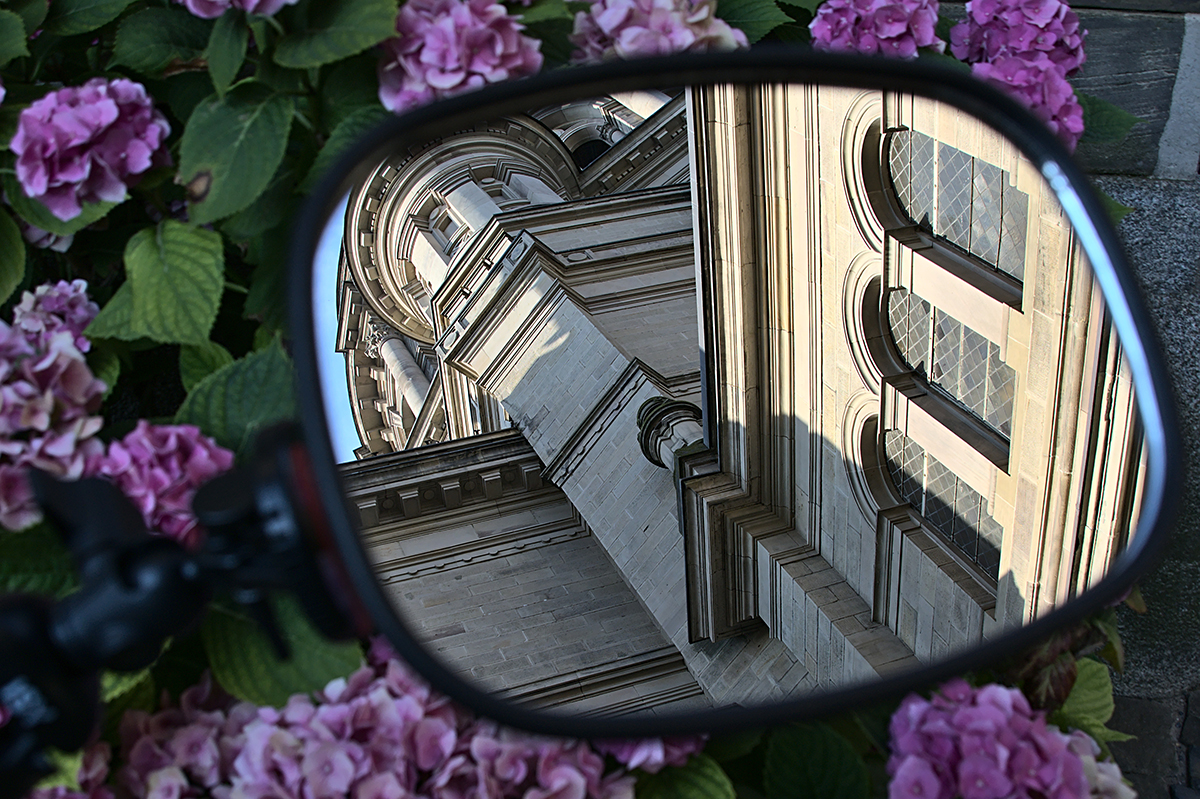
245	664
541	10
756	18
69	17
115	684
231	148
34	561
348	131
115	319
155	38
1090	704
237	400
38	215
350	85
198	361
226	50
337	29
66	769
829	768
105	364
1116	211
176	274
731	746
701	778
1104	121
12	256
31	12
141	694
12	37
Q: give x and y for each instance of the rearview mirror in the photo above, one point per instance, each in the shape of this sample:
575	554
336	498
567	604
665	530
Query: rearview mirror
750	385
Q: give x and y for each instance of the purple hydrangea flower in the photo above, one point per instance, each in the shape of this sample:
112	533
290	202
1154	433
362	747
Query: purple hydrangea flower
160	467
89	143
53	307
984	743
1040	85
211	9
378	734
653	754
995	29
638	28
48	398
446	47
876	27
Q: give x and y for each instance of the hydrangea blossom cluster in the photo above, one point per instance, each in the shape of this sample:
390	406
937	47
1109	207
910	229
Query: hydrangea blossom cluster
446	47
876	27
653	754
1028	47
53	307
984	743
1023	29
638	28
160	467
89	143
380	734
211	9
48	397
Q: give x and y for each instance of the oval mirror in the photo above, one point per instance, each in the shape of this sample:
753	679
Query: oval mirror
730	388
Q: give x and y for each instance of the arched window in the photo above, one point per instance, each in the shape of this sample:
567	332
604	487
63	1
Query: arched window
953	358
960	199
946	504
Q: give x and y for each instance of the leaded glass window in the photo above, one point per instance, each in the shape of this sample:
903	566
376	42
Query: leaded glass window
954	358
948	506
966	201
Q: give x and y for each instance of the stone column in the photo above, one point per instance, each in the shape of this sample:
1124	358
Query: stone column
382	341
666	426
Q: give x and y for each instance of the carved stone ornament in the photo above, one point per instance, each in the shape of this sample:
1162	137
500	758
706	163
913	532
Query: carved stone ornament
375	332
666	426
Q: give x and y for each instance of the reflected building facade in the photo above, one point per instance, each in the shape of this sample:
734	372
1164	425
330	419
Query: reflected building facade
718	397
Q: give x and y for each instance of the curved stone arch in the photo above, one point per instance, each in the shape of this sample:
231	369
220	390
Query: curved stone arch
862	174
861	323
374	228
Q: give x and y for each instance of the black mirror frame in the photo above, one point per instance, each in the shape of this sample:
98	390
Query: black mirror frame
1164	468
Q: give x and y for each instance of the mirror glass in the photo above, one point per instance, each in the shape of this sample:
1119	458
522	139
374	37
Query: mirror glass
713	396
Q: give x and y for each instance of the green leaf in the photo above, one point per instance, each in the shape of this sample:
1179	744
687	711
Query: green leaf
540	10
154	38
701	778
66	769
177	274
69	17
344	135
115	319
268	283
12	256
811	761
231	148
552	33
115	684
756	18
232	403
226	49
277	203
809	6
38	215
1091	698
337	29
12	37
142	695
105	364
31	12
945	60
351	84
733	745
1104	121
198	361
35	561
1116	212
185	91
1114	650
245	665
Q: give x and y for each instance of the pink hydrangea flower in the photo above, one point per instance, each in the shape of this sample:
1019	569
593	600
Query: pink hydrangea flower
211	9
876	27
653	754
53	307
48	398
995	29
1040	85
160	467
984	743
446	47
89	143
378	734
638	28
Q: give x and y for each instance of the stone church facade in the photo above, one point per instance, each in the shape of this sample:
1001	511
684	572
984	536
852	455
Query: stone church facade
723	396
